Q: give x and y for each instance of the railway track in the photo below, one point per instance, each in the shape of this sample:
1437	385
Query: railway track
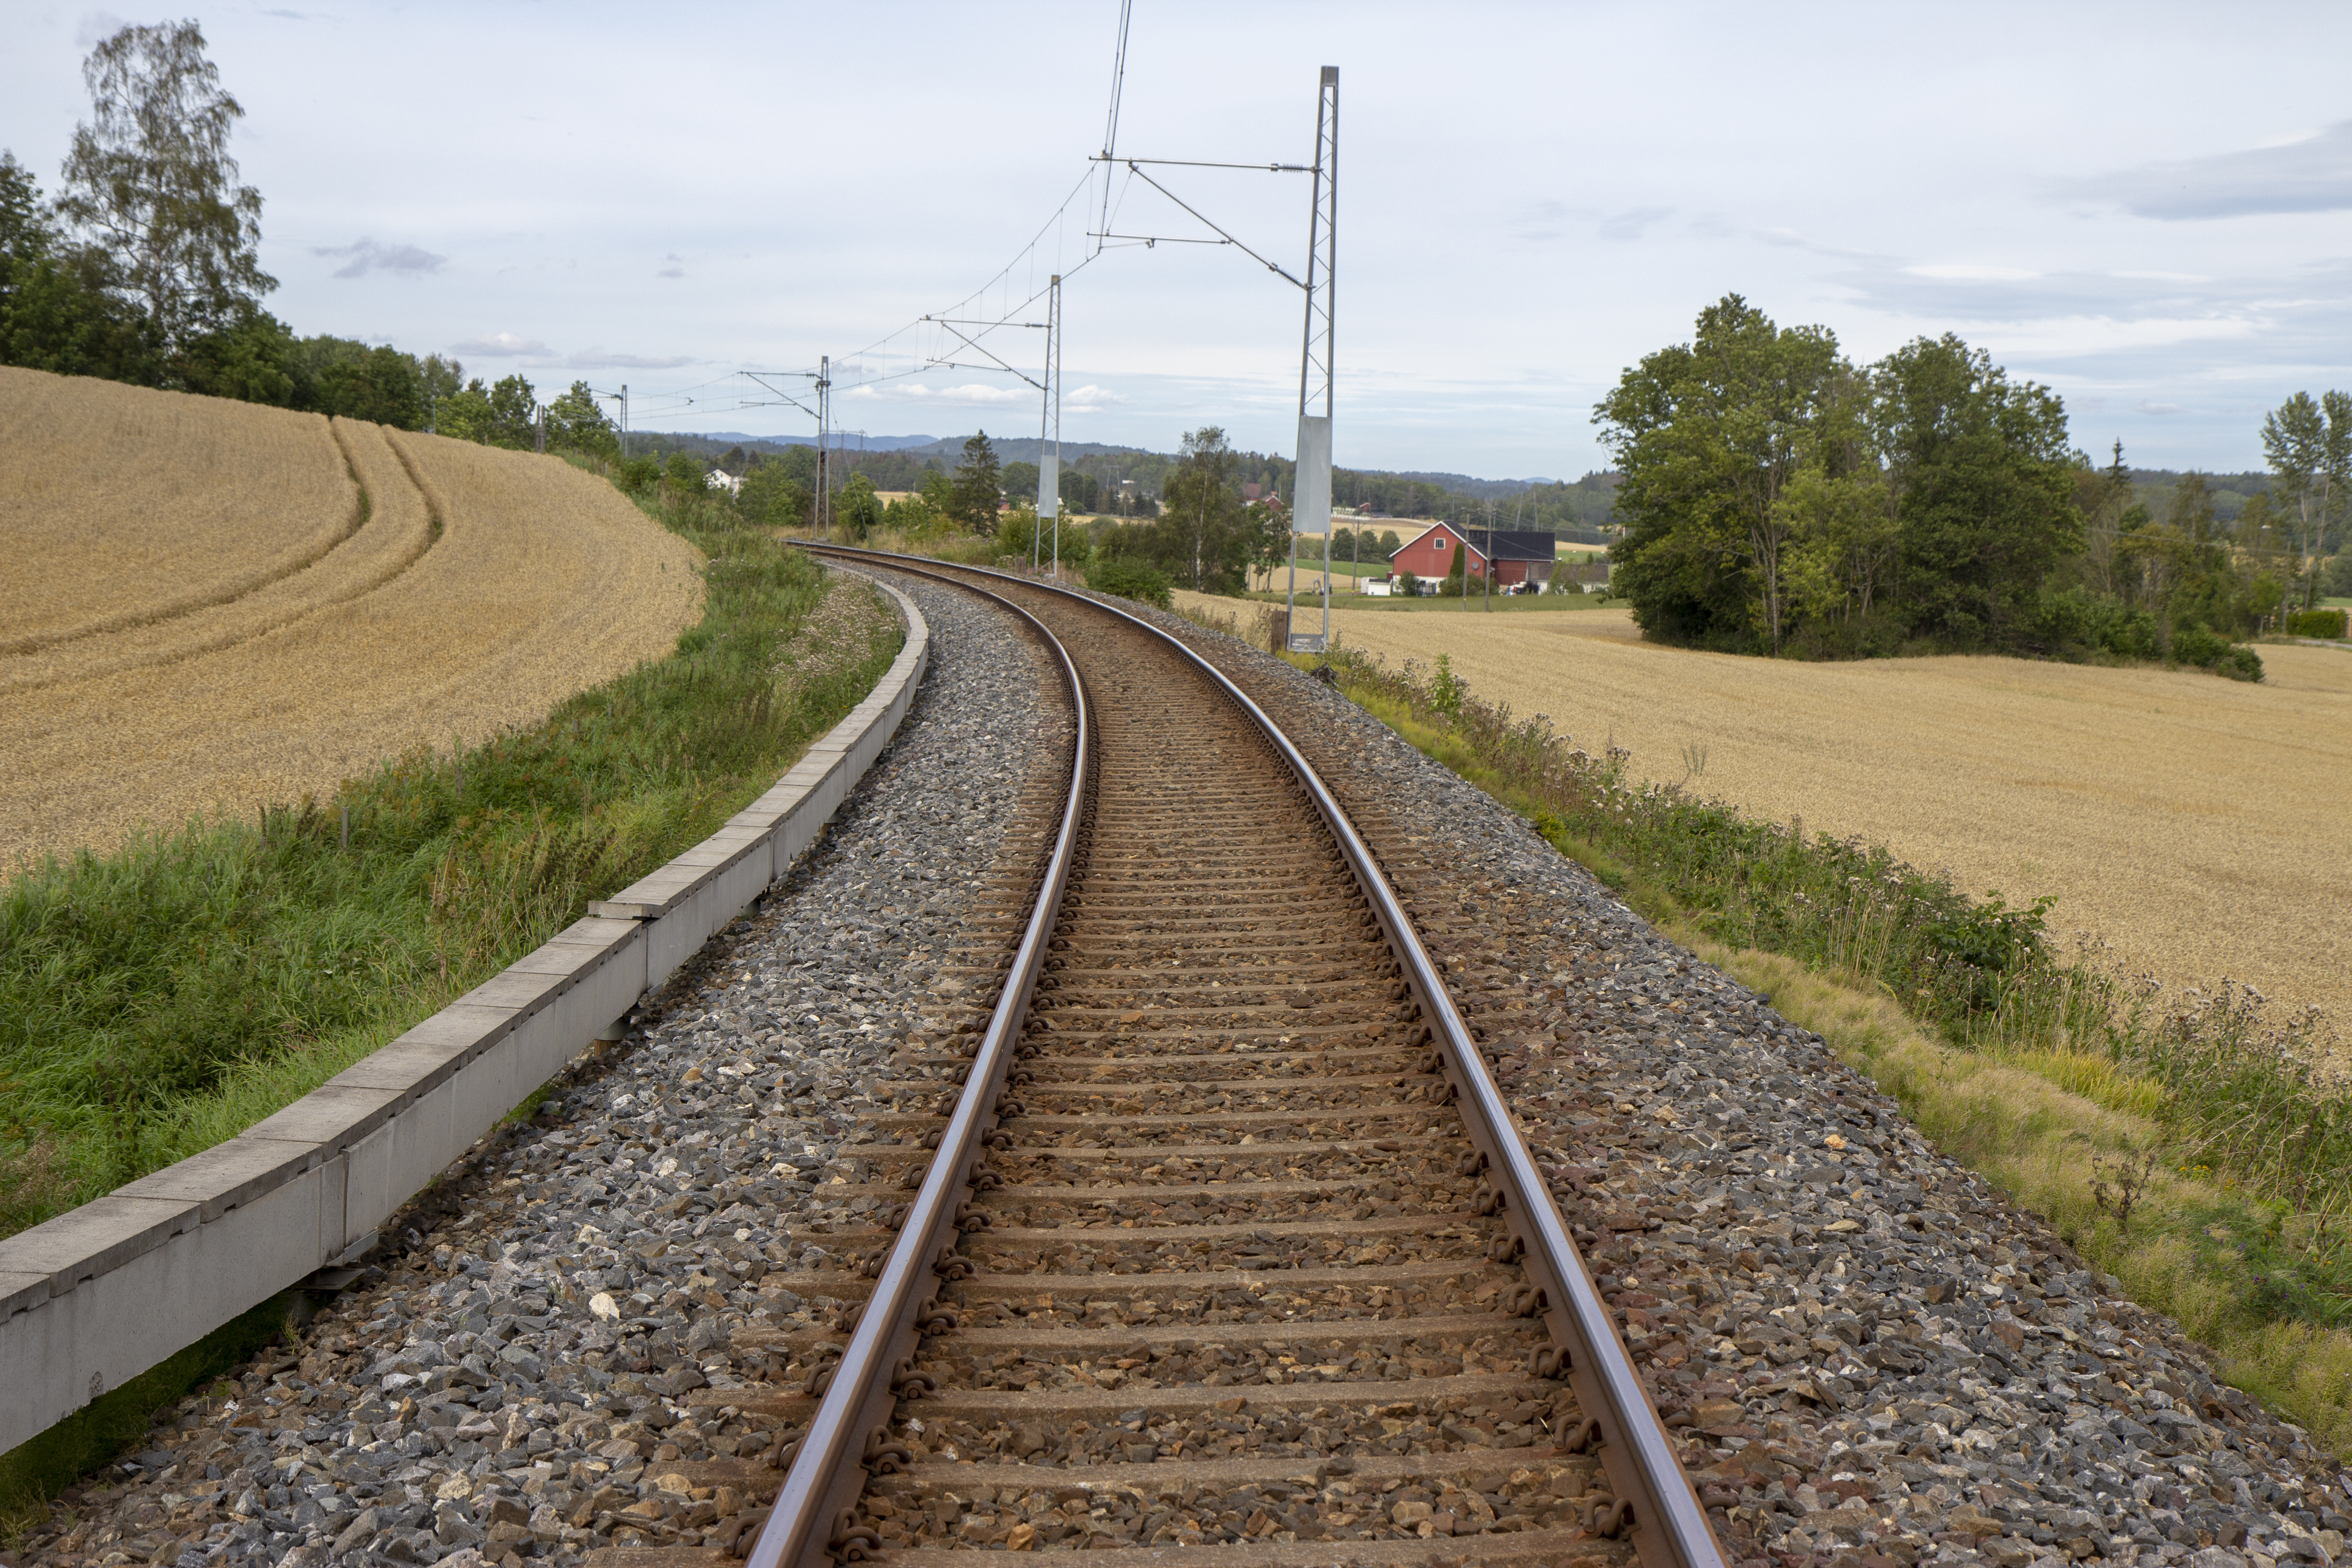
1213	1235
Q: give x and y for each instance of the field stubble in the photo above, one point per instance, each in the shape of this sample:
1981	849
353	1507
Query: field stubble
2192	823
471	591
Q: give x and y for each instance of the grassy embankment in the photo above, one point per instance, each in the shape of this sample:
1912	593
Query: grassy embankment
2197	1150
160	997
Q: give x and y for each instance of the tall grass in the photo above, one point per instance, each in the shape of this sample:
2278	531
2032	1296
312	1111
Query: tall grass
2236	1089
158	998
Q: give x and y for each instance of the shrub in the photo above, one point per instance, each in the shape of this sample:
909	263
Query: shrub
1129	579
2209	650
2318	624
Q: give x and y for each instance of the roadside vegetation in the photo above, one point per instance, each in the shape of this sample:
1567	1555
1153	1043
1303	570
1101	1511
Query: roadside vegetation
161	998
2194	1143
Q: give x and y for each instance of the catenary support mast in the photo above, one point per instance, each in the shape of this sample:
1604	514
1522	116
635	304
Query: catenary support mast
1311	497
1049	434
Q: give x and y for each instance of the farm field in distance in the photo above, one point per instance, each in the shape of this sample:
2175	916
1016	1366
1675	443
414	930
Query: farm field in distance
213	606
2194	823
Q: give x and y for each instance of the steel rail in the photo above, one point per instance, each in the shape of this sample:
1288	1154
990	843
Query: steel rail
1669	1528
812	1510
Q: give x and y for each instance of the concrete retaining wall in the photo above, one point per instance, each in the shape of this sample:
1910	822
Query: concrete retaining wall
97	1296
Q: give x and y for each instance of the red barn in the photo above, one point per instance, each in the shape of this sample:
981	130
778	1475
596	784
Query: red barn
1518	555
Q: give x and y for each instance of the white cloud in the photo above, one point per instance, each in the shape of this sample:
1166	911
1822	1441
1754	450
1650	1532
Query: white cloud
2068	336
1970	272
500	345
597	359
975	394
370	256
1087	399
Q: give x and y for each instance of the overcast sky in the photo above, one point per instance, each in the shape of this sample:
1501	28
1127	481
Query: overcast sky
2143	206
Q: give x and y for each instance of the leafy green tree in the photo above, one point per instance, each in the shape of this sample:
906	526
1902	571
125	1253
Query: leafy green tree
938	492
1265	536
857	509
977	488
150	181
1707	435
57	312
344	377
682	474
465	415
798	464
913	515
1019	481
2101	495
436	379
1390	543
254	359
1982	481
1081	491
1839	545
2308	445
497	416
513	402
575	420
771	495
1457	574
1199	532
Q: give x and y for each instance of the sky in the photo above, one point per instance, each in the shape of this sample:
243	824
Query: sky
2147	207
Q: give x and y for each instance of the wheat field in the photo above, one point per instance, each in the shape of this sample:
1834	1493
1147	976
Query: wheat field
2196	825
192	644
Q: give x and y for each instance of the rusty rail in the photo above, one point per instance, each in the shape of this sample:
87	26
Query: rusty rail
1655	1502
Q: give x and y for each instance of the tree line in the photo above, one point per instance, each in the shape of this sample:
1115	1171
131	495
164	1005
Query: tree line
1778	499
145	267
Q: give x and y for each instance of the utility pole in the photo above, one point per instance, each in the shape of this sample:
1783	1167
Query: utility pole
622	397
823	509
1312	502
1487	576
1049	429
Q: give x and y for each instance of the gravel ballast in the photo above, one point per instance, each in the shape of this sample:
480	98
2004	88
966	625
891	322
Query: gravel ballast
1873	1358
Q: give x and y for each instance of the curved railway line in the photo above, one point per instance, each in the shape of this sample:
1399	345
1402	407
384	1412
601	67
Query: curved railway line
1223	1145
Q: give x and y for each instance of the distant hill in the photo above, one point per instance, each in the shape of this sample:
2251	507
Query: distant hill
1025	449
775	443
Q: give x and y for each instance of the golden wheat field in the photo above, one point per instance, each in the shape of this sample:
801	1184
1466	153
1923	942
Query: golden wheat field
2195	824
214	607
